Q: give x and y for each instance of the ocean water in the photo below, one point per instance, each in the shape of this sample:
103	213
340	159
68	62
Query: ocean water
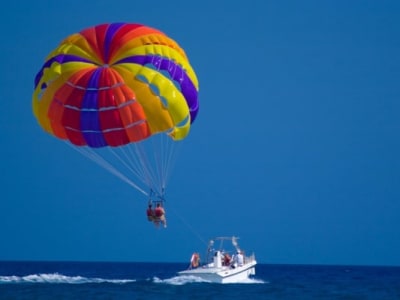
109	280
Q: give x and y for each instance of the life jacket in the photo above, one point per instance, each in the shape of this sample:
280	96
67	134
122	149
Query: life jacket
150	212
158	212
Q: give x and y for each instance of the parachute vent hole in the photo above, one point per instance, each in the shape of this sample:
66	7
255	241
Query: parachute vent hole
40	95
164	101
168	75
151	66
142	78
154	89
184	122
43	88
156	66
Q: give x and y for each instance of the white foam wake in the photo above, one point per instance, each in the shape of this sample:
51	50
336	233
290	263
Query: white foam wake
252	281
179	280
59	278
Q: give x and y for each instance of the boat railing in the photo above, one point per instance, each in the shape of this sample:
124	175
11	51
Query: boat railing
209	261
251	258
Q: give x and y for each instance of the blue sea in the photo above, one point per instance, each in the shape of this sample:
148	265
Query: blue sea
111	280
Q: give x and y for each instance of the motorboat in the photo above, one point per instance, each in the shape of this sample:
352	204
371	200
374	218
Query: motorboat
224	264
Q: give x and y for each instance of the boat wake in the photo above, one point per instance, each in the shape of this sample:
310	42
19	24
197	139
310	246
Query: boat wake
179	280
59	278
252	281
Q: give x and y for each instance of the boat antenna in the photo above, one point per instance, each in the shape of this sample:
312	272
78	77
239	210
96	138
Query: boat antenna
235	243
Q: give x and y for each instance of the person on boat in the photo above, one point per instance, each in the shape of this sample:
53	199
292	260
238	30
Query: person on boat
159	213
240	258
226	259
237	259
194	261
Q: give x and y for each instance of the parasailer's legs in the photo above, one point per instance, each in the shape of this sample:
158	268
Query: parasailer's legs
157	215
163	221
160	214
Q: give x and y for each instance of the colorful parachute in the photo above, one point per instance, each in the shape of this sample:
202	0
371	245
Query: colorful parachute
113	89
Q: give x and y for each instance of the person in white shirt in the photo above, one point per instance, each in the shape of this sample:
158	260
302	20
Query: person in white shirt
240	258
237	259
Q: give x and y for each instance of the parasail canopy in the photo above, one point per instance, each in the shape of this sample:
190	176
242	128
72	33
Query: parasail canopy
116	88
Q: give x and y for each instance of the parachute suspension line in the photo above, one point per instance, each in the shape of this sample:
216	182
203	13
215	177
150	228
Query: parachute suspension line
129	161
146	164
101	161
171	149
157	143
154	158
139	163
157	158
165	162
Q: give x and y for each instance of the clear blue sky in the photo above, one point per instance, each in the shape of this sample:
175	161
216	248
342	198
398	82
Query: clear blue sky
296	148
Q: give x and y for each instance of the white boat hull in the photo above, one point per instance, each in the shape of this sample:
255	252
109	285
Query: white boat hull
224	274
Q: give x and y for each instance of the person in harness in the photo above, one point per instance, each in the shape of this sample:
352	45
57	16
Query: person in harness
150	213
159	216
